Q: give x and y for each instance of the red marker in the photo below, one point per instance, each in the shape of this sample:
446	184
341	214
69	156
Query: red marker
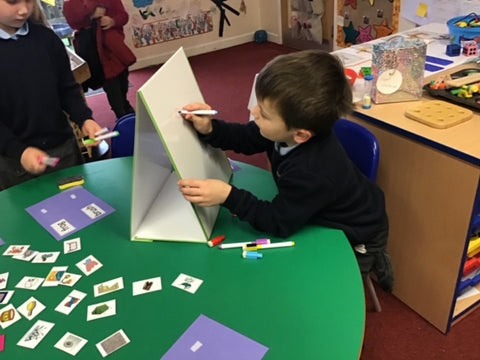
216	240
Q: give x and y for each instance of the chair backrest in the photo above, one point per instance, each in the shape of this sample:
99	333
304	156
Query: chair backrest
361	146
122	145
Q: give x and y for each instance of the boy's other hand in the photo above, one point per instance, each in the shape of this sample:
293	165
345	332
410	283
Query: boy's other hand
30	160
201	123
207	192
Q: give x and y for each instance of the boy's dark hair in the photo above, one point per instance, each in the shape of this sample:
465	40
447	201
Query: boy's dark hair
308	88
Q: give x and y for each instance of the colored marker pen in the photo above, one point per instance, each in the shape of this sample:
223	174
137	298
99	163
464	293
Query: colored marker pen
216	240
101	131
242	244
252	255
198	112
269	246
50	161
101	137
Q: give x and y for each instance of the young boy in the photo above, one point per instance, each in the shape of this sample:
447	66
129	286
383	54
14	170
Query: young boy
37	88
300	96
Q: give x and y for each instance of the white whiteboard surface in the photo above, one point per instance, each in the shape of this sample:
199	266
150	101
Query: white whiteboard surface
167	148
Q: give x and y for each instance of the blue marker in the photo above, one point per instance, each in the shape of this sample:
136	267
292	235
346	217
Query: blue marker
252	255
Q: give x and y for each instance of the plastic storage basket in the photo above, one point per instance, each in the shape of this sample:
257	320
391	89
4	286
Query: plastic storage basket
458	33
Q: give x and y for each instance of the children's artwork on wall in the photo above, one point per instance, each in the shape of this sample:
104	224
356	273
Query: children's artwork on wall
361	21
157	21
159	31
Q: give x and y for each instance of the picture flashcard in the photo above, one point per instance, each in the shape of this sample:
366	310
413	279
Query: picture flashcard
8	316
46	257
29	283
36	334
89	265
27	255
69	279
3	280
54	276
31	308
112	343
101	310
72	245
108	287
70	302
5	296
147	286
2	340
187	283
71	343
13	250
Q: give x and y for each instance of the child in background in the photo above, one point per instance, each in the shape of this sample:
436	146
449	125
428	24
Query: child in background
99	39
300	96
37	89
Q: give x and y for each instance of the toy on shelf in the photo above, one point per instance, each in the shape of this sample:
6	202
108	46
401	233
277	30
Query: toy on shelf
470	48
453	50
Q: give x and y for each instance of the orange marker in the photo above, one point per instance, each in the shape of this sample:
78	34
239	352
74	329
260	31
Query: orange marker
216	240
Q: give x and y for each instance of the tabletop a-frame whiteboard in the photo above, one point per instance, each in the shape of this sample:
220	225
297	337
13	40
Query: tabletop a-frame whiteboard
167	149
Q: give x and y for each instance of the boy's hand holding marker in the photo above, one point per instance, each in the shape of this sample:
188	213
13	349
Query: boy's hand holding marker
200	115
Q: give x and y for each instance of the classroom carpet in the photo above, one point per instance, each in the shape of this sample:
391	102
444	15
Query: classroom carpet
397	333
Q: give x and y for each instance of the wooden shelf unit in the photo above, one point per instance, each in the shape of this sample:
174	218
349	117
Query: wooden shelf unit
431	182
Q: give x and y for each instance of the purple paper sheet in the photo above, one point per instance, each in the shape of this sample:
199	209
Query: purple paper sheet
207	339
69	211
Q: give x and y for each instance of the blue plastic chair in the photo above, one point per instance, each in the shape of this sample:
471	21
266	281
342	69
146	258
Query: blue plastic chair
122	145
362	148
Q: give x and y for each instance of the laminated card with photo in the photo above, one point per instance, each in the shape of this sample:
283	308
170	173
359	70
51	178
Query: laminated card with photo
167	149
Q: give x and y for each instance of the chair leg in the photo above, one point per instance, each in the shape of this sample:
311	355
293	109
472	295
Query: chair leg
373	293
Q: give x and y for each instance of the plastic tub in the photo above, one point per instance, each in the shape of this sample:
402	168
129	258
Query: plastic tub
458	33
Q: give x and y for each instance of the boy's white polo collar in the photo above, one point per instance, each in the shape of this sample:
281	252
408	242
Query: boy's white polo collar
20	32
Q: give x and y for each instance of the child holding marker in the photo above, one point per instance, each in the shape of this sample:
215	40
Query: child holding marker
37	89
300	96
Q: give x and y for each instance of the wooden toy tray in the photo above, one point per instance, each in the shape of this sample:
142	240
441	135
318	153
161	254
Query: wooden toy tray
472	103
439	114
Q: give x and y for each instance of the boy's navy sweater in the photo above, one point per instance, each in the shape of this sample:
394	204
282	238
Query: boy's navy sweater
317	184
37	84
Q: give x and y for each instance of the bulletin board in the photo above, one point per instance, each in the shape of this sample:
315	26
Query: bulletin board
422	12
361	21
